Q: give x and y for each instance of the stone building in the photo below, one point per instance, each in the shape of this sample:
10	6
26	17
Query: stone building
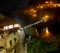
9	37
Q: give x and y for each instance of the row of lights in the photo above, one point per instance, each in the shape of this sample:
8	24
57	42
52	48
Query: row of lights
11	26
51	4
33	11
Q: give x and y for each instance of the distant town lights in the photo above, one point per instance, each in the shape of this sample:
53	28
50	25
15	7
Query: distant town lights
46	1
34	15
58	5
45	18
41	7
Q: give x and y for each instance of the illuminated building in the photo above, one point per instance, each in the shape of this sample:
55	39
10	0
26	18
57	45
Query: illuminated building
9	35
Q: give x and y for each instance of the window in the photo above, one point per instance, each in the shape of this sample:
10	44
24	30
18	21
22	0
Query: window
10	42
15	40
1	48
2	36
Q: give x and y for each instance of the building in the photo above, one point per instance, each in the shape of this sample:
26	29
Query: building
9	36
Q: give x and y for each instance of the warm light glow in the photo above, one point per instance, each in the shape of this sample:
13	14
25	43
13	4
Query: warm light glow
36	32
47	31
45	18
34	15
5	27
54	5
32	10
46	1
10	26
38	7
58	5
41	7
51	2
16	25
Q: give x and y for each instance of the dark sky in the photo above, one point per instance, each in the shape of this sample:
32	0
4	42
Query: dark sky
8	6
12	4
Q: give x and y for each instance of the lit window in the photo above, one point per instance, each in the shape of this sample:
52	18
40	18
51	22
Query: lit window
16	25
5	27
10	26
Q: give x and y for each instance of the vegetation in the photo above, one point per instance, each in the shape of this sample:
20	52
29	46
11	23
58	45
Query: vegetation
38	45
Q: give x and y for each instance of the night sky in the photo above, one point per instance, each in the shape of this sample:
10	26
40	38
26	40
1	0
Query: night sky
9	6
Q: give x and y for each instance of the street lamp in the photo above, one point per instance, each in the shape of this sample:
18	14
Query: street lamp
47	32
34	15
45	18
41	7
